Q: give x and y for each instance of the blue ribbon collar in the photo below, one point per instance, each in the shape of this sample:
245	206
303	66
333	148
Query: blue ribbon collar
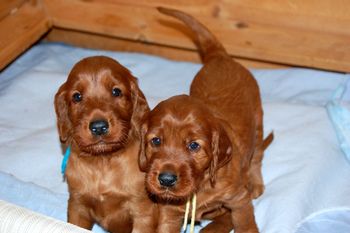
65	160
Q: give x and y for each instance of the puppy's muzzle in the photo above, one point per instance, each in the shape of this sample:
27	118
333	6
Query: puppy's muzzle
98	127
167	179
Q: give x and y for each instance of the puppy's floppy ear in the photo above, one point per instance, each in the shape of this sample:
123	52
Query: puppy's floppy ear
143	162
221	151
61	108
140	105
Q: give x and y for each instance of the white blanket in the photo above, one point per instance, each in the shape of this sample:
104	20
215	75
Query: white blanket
305	172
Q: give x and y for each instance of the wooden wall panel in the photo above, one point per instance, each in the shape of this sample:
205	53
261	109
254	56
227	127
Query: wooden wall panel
302	33
95	41
19	30
308	33
8	7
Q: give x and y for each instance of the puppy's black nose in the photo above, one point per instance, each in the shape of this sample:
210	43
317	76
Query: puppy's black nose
167	179
99	127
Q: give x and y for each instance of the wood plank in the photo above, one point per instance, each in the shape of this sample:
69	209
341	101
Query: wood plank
20	30
8	7
334	8
267	35
95	41
328	15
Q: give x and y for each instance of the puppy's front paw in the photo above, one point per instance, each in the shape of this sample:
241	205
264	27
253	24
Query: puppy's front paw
256	190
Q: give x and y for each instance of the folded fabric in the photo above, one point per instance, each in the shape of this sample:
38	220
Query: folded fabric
15	219
339	112
35	198
302	168
32	196
327	221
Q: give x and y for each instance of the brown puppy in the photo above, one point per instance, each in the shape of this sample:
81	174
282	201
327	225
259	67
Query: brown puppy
99	109
209	144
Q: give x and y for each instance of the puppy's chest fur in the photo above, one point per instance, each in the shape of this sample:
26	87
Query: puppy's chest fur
105	182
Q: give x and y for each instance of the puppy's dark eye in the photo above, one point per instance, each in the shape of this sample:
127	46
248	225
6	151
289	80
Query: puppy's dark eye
116	92
156	141
77	97
194	146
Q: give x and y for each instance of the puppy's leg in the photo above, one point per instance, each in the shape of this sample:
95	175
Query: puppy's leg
144	224
222	224
256	183
119	223
79	215
243	218
170	220
145	218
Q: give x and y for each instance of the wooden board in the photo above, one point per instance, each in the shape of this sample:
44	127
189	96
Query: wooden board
95	41
301	33
8	7
20	29
309	33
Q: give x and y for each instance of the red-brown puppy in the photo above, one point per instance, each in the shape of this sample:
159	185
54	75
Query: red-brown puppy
99	109
209	144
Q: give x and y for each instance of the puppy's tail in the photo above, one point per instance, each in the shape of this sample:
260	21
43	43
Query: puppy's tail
267	141
207	43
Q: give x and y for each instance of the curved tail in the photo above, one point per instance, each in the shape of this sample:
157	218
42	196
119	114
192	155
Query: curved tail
267	141
207	43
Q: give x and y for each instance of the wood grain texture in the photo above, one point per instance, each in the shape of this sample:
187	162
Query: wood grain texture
298	33
18	31
95	41
302	33
8	7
